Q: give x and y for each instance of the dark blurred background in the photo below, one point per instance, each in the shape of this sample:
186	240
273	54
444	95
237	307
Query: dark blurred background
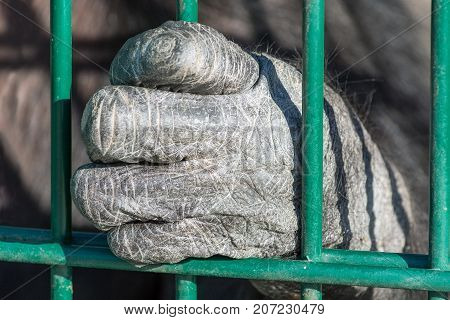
377	55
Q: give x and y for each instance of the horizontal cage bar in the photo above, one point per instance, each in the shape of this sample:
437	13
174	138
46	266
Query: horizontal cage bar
368	258
95	254
263	269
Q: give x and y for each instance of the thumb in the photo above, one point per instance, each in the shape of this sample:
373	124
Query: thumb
185	57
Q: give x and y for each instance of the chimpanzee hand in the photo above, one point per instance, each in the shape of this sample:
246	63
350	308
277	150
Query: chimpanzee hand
196	151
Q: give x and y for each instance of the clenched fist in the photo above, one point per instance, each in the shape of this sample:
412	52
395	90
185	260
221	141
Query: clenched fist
196	152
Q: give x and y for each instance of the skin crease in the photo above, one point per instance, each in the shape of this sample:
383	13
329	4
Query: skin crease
196	147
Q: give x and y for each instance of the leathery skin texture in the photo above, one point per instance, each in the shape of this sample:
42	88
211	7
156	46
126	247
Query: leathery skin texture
196	152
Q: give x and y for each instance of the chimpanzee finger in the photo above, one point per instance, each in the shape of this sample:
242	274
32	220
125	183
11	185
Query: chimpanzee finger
185	57
234	237
111	195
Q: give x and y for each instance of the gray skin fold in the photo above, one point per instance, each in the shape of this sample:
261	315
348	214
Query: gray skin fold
196	152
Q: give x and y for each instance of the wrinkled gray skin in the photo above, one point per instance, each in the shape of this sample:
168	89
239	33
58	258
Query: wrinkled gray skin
196	147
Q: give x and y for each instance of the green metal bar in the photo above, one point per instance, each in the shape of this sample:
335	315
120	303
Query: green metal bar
440	139
187	10
94	239
264	269
375	259
29	235
33	235
186	286
369	258
61	283
312	123
61	82
43	253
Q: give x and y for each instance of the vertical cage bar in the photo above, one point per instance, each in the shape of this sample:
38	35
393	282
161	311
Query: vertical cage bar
312	126
61	82
187	10
186	286
440	139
